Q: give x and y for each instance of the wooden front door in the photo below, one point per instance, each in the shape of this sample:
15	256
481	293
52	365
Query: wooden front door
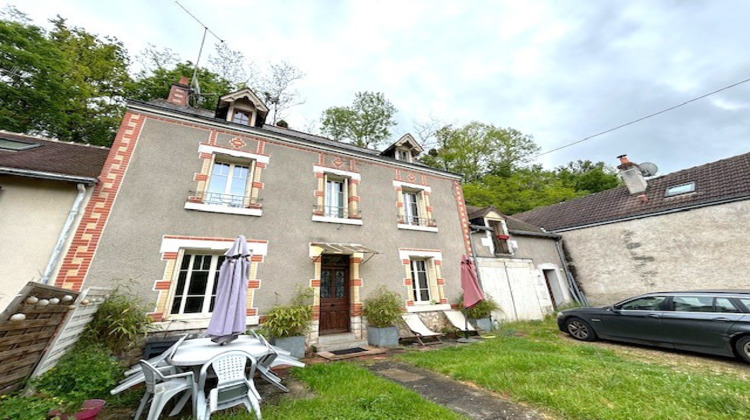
334	294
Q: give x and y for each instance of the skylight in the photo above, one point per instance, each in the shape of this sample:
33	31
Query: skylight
680	189
15	145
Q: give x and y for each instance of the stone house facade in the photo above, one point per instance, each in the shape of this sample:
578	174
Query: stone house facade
685	230
181	183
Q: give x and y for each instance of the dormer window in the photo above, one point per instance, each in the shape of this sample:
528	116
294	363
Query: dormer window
500	237
241	117
403	154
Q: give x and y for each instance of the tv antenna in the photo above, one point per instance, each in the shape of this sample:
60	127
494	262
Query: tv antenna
194	85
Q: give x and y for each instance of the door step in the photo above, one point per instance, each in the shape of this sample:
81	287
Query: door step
333	342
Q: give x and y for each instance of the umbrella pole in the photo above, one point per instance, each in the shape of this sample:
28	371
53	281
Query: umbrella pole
466	326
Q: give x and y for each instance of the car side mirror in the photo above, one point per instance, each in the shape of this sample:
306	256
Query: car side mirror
613	309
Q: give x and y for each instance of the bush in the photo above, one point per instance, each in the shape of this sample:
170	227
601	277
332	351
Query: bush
120	319
86	371
483	309
383	309
289	320
31	407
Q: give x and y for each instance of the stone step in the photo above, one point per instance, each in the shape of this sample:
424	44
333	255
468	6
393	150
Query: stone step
335	342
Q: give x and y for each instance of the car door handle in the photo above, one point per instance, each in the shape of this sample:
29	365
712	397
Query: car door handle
721	318
654	315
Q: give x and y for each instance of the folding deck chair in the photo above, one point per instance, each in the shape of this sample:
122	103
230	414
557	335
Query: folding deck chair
458	321
420	331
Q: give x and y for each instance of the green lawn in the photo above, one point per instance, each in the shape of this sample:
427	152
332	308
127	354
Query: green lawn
532	362
345	391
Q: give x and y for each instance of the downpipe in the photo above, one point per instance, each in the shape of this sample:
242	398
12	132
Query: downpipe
72	214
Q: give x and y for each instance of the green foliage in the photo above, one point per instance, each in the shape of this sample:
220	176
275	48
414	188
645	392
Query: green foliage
156	85
383	308
588	177
539	366
289	320
118	322
32	407
482	309
477	149
367	122
86	371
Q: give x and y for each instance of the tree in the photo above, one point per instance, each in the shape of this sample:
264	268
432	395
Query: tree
276	88
588	177
156	85
97	74
478	149
367	122
33	87
232	65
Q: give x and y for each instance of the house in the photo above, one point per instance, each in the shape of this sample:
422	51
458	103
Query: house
182	183
680	231
44	184
520	265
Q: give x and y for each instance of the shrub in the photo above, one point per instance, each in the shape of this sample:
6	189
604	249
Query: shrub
86	371
120	319
18	406
382	309
289	320
482	309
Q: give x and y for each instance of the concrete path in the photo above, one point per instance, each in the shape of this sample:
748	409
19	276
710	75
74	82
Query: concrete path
462	398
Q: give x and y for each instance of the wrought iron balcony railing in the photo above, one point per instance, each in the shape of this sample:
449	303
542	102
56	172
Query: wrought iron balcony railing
340	212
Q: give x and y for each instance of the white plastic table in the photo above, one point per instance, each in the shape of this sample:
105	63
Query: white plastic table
198	351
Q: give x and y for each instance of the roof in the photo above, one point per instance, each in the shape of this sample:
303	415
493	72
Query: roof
510	222
283	131
715	183
52	158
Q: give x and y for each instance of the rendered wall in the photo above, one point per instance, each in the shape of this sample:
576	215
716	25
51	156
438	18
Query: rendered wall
32	215
705	248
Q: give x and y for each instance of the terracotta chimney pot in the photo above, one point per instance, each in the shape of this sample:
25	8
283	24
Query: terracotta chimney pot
179	92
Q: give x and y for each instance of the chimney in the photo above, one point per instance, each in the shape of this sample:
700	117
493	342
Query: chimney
632	176
178	93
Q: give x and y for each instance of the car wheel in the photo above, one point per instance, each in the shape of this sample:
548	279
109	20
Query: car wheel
742	345
580	329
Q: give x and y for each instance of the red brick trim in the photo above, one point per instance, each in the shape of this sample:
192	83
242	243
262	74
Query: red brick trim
407	282
77	260
169	256
315	283
253	284
162	285
458	194
355	282
251	312
441	282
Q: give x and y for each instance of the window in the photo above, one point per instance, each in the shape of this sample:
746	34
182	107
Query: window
651	303
241	117
404	155
336	197
500	237
420	281
693	303
228	184
196	284
724	305
411	208
680	189
8	144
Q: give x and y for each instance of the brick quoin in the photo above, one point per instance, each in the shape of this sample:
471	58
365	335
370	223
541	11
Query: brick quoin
77	260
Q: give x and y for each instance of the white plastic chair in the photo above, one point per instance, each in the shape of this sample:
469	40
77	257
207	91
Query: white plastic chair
264	365
161	388
234	386
160	360
419	329
134	375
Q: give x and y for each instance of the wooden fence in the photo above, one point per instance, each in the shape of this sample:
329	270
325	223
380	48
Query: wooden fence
33	321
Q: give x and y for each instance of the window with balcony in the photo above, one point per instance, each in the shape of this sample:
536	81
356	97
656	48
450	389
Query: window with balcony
337	200
229	181
414	210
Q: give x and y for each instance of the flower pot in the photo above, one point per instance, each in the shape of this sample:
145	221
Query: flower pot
484	324
382	337
89	410
294	345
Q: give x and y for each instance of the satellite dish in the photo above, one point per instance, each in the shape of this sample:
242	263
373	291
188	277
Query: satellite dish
648	168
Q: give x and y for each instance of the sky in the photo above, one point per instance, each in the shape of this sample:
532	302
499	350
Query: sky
559	71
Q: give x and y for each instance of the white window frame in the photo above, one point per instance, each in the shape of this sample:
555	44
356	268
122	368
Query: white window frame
341	176
416	287
222	154
230	180
213	273
430	258
419	191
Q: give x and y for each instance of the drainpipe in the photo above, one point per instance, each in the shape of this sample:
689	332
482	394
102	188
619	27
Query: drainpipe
572	285
64	234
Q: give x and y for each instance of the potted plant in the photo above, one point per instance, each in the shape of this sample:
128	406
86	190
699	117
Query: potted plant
479	314
286	325
382	310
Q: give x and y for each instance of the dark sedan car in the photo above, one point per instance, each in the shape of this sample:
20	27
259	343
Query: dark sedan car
707	321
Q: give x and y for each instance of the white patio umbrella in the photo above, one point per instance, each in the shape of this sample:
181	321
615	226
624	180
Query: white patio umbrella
228	317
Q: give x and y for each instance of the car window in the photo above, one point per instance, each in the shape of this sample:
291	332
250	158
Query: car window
693	303
724	305
746	302
651	303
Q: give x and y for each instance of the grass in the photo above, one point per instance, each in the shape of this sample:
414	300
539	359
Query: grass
346	391
533	363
